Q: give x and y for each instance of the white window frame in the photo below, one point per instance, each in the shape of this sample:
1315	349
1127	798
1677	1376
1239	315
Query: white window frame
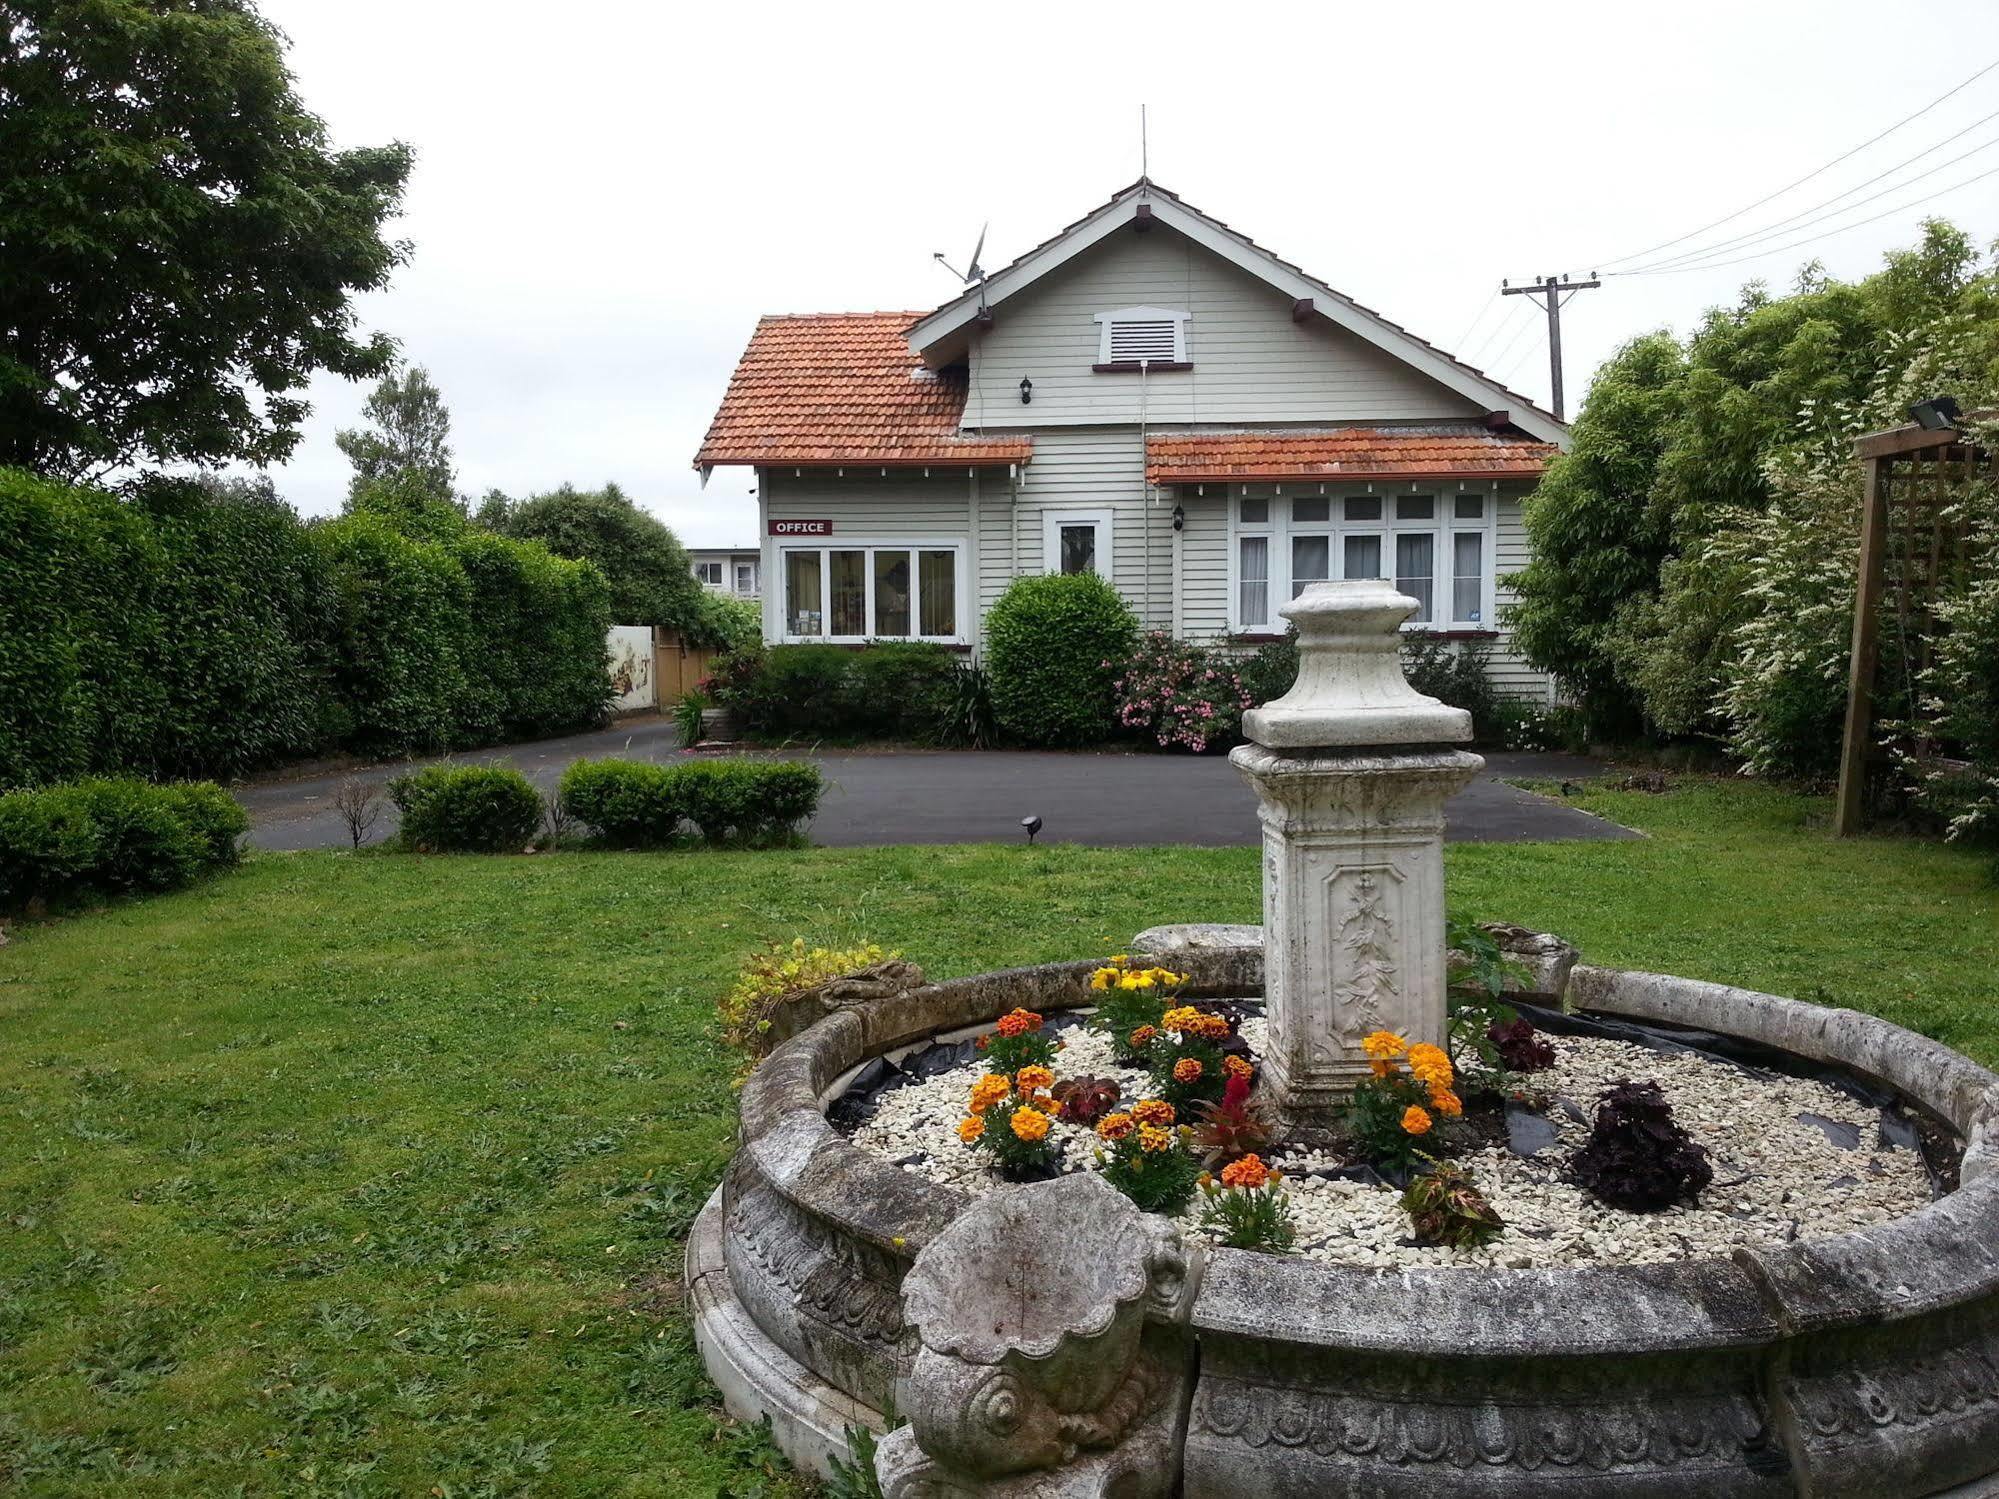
701	574
1052	522
822	545
745	578
1443	526
1177	317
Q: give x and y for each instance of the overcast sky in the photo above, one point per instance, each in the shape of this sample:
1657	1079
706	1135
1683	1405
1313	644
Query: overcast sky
608	194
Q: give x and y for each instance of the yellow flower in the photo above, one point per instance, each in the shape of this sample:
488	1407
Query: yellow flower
1415	1121
1121	959
1116	1126
1153	1138
1101	979
1382	1067
1447	1103
988	1091
1029	1124
971	1128
1152	1111
1127	981
1187	1070
1382	1045
1032	1079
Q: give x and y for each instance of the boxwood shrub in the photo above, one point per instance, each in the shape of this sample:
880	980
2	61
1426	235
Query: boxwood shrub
892	690
100	837
636	804
629	803
1055	646
466	809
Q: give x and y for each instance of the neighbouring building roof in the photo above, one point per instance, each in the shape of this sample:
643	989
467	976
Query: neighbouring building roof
844	388
1344	453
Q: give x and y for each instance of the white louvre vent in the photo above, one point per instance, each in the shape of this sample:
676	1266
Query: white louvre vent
1143	335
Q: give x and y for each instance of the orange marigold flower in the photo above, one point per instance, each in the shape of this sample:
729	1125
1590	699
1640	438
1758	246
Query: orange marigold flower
1249	1173
1029	1124
1416	1121
1179	1018
970	1129
988	1091
1430	1064
1447	1103
1018	1023
1031	1079
1204	1181
1187	1070
1152	1138
1382	1045
1209	1027
1237	1066
1116	1126
1381	1067
1142	1037
1152	1111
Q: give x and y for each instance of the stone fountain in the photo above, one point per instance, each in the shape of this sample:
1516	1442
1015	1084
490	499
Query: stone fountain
1050	1340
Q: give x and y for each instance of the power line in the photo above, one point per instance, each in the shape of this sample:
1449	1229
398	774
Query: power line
1519	325
1493	333
1553	296
1771	231
1472	327
1814	238
1815	172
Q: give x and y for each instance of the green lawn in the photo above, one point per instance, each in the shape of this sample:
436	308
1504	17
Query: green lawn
366	1174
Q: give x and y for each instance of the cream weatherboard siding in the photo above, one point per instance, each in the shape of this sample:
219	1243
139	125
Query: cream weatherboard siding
1252	364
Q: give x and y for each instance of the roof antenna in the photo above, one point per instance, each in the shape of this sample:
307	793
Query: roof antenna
973	271
1144	153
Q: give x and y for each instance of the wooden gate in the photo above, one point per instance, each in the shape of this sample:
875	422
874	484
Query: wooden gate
677	666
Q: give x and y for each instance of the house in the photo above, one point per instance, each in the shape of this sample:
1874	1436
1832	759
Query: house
1149	395
732	570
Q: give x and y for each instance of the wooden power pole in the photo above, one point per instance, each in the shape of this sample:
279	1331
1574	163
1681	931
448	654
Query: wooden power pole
1551	294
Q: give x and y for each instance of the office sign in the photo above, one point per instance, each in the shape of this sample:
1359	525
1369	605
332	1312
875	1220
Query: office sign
801	528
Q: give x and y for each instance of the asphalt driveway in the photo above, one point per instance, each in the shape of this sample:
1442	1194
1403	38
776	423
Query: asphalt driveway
964	796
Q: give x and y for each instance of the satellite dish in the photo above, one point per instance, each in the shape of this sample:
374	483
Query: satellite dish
973	271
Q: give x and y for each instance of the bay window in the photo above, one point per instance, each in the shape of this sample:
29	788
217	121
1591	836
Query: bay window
1434	545
872	591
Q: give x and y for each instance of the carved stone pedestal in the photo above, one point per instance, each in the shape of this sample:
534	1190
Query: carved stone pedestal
1353	767
1052	1360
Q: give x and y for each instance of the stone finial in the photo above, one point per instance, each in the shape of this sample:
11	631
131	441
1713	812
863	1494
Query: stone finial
1350	689
1049	1360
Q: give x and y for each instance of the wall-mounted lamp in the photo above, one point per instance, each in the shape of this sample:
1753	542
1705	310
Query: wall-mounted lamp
1026	390
1179	517
1938	414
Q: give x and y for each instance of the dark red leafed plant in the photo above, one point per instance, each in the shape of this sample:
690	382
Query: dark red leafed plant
1521	1048
1085	1100
1637	1158
1235	1127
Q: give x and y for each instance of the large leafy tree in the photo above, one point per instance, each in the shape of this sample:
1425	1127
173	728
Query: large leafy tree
178	241
1625	598
408	438
639	556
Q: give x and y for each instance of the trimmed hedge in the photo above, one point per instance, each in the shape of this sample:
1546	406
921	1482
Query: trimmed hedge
112	837
1055	646
636	804
891	690
193	632
471	809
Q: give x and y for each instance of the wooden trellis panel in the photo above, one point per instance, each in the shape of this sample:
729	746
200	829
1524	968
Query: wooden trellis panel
1914	548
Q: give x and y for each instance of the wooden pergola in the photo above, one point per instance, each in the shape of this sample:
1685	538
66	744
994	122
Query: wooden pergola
1912	542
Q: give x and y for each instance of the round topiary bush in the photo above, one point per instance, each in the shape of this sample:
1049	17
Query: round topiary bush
1055	646
466	809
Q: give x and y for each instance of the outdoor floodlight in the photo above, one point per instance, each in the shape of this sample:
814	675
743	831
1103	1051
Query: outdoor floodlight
1032	824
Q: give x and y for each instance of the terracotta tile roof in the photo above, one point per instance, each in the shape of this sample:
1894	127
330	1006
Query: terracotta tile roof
1345	453
843	387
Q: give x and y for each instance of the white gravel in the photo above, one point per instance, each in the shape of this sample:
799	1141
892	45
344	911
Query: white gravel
1775	1178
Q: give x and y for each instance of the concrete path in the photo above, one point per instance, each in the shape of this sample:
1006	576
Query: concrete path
960	796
